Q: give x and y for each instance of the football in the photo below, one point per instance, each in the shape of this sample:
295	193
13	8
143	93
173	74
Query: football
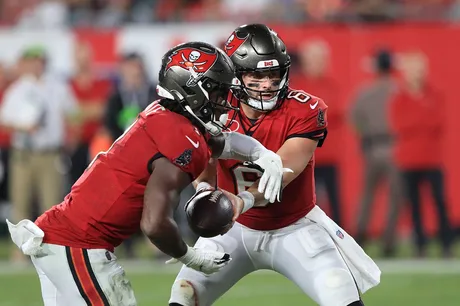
209	213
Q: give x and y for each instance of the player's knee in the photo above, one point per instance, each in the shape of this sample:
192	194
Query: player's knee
336	287
183	293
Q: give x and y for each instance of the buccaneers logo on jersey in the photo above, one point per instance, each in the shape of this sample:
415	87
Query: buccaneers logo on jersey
233	43
194	60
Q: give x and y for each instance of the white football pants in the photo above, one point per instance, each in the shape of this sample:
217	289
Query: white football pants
303	252
80	277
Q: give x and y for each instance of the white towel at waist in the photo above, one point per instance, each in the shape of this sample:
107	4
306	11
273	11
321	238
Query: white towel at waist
364	270
27	236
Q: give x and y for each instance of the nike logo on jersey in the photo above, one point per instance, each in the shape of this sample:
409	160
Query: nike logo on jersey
195	144
313	106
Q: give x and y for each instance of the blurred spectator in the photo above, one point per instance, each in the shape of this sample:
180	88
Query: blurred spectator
5	139
372	10
314	59
91	93
11	10
114	13
368	116
36	107
45	14
425	9
133	93
322	9
168	10
454	12
291	11
80	13
205	10
418	119
246	10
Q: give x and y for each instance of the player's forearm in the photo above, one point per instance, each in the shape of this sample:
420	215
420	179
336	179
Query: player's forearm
158	224
241	147
259	199
209	175
166	237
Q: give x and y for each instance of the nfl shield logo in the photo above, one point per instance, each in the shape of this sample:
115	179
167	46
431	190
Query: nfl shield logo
339	234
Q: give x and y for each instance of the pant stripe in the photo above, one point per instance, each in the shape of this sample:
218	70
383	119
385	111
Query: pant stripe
84	277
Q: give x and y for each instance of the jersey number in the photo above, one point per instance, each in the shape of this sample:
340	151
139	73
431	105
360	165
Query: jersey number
151	109
244	177
299	95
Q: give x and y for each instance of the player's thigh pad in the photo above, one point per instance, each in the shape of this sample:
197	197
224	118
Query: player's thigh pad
83	277
309	257
193	288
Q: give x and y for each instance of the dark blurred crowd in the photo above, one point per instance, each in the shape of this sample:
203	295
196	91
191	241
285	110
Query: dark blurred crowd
113	13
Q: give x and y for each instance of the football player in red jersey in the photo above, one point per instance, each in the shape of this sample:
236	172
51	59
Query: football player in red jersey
292	236
137	182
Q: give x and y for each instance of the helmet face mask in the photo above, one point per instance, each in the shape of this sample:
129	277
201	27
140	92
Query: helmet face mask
199	77
215	112
262	90
256	50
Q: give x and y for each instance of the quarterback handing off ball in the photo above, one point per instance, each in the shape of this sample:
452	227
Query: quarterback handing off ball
209	213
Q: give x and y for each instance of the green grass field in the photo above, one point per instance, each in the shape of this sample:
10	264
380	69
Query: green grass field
404	283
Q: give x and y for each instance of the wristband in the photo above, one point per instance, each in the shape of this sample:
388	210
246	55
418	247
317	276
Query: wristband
203	185
248	200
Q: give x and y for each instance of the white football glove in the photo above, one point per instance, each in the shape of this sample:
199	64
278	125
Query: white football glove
270	184
201	260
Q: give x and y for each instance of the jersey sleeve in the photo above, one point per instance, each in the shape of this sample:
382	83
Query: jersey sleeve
309	120
179	142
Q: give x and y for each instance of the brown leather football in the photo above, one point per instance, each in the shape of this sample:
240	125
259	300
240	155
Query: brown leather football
209	213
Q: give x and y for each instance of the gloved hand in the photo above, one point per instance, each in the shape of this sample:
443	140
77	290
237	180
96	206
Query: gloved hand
270	184
203	260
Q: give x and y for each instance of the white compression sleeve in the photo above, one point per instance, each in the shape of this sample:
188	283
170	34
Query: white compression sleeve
241	147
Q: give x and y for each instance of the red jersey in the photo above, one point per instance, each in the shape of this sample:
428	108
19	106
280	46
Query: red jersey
105	205
95	92
300	115
327	89
418	124
5	134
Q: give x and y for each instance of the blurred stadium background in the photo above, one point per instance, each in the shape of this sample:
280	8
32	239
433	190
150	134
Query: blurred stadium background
107	52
